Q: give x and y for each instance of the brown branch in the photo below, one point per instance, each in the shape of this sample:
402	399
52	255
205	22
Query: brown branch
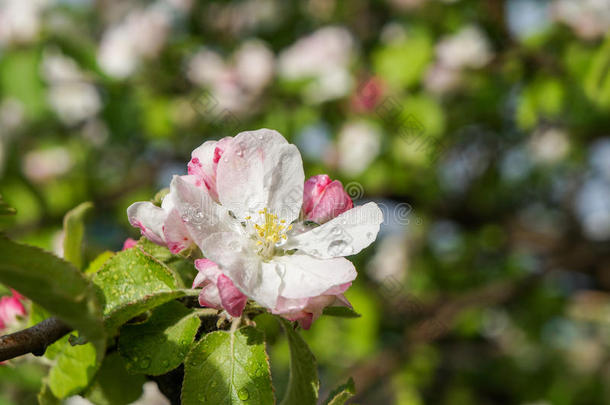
32	340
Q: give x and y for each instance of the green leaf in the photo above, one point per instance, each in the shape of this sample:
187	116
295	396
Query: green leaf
98	262
113	385
341	312
132	282
55	285
303	384
74	229
46	397
74	369
184	268
597	80
341	393
6	209
228	368
160	344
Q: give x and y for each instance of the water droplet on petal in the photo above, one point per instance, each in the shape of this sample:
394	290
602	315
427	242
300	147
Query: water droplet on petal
338	248
369	235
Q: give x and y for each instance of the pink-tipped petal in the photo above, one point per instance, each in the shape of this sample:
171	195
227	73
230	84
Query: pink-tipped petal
204	163
149	218
218	290
232	299
175	233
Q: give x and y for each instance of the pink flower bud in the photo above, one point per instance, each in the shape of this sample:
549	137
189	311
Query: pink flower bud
324	199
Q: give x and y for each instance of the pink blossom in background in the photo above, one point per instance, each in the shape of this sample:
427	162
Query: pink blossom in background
368	95
11	309
129	243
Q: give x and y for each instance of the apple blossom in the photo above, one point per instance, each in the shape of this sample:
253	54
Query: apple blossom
240	204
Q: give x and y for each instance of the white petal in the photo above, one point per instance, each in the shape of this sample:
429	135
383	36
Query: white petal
201	215
344	235
305	276
176	234
237	259
260	169
149	218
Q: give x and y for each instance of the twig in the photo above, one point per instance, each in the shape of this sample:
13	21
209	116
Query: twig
32	340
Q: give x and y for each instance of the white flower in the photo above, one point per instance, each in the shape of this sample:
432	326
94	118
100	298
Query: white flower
248	231
469	48
324	56
359	144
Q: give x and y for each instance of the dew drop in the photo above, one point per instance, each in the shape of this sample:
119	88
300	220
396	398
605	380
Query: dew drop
243	394
369	235
338	247
145	363
260	372
240	153
165	363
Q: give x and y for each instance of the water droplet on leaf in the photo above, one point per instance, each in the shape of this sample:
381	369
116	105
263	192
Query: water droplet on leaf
243	394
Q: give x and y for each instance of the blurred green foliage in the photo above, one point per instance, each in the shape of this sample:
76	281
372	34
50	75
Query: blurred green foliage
489	283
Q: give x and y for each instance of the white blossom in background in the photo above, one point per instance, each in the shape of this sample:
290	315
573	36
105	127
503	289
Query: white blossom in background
468	48
236	84
358	145
549	145
391	260
441	79
588	18
151	395
12	116
139	36
71	95
20	20
42	165
324	57
243	17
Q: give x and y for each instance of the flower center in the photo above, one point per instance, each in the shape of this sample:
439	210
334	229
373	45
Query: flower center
269	232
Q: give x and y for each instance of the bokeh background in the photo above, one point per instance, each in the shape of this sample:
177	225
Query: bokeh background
483	127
